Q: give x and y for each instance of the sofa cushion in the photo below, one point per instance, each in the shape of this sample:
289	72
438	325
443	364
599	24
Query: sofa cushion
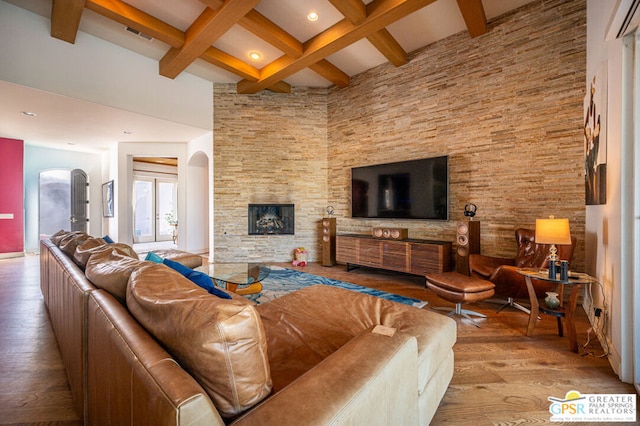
95	245
85	249
55	238
220	342
187	259
110	270
71	240
326	317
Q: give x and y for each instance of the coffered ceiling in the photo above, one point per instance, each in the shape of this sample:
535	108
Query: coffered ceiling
214	40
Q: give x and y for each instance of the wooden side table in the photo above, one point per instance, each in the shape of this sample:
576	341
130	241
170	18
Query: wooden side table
575	281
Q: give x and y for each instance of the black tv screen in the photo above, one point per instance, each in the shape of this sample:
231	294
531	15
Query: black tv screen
415	189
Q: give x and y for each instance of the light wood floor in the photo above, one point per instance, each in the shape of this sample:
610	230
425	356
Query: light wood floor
502	377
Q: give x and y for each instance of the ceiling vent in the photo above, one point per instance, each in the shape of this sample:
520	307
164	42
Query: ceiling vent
138	33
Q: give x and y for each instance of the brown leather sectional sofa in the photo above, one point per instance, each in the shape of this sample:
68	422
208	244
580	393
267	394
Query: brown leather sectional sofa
168	352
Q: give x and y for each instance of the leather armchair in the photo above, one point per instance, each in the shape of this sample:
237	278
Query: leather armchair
509	284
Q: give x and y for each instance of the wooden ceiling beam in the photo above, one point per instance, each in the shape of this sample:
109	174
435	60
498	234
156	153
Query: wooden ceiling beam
261	26
121	12
380	13
389	47
267	30
356	12
234	65
331	73
280	87
230	63
130	16
474	16
204	31
65	19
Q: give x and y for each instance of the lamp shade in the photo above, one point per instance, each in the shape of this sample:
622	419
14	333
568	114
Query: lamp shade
553	231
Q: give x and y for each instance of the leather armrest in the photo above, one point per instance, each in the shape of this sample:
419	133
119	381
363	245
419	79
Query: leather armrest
484	266
511	283
372	379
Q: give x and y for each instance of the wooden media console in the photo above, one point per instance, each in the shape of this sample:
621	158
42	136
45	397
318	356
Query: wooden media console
411	256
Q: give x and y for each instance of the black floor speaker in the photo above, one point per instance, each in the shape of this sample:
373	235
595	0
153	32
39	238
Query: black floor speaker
328	241
468	242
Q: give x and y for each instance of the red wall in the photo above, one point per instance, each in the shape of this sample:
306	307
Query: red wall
11	196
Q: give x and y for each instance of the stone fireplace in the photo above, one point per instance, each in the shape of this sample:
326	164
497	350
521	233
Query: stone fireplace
271	219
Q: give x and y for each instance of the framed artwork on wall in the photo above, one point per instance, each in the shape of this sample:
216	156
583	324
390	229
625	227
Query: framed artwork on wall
107	199
595	139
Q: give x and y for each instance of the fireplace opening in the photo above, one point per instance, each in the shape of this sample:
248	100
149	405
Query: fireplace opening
271	219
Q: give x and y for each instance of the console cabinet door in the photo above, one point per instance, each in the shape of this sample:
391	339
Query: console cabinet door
395	256
346	249
430	258
369	252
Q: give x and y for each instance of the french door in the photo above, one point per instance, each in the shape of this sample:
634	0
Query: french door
154	209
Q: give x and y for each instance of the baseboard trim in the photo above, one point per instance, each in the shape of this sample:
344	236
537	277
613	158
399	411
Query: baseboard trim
11	255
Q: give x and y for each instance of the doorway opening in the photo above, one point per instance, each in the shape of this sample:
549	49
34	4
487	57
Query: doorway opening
155	196
63	201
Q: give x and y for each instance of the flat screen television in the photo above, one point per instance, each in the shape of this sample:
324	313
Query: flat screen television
414	189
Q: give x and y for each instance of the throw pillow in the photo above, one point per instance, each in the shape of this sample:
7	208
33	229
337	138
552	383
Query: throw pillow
152	257
221	343
178	267
198	278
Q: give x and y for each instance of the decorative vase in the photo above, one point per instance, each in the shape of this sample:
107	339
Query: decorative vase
552	300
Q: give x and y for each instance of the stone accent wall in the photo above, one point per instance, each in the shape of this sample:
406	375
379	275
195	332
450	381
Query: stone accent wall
268	148
506	107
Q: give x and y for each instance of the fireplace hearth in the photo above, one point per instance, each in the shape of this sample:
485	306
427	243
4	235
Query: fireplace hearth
271	219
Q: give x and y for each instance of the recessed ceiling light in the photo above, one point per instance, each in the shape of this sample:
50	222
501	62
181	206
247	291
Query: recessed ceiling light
255	55
29	113
312	16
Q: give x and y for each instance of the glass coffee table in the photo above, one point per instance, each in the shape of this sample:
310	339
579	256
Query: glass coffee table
240	278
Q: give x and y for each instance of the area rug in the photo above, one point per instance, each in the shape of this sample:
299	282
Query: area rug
282	281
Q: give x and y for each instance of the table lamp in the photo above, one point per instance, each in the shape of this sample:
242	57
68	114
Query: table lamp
552	231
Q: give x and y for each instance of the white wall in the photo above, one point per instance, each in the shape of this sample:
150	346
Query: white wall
97	71
604	226
199	218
